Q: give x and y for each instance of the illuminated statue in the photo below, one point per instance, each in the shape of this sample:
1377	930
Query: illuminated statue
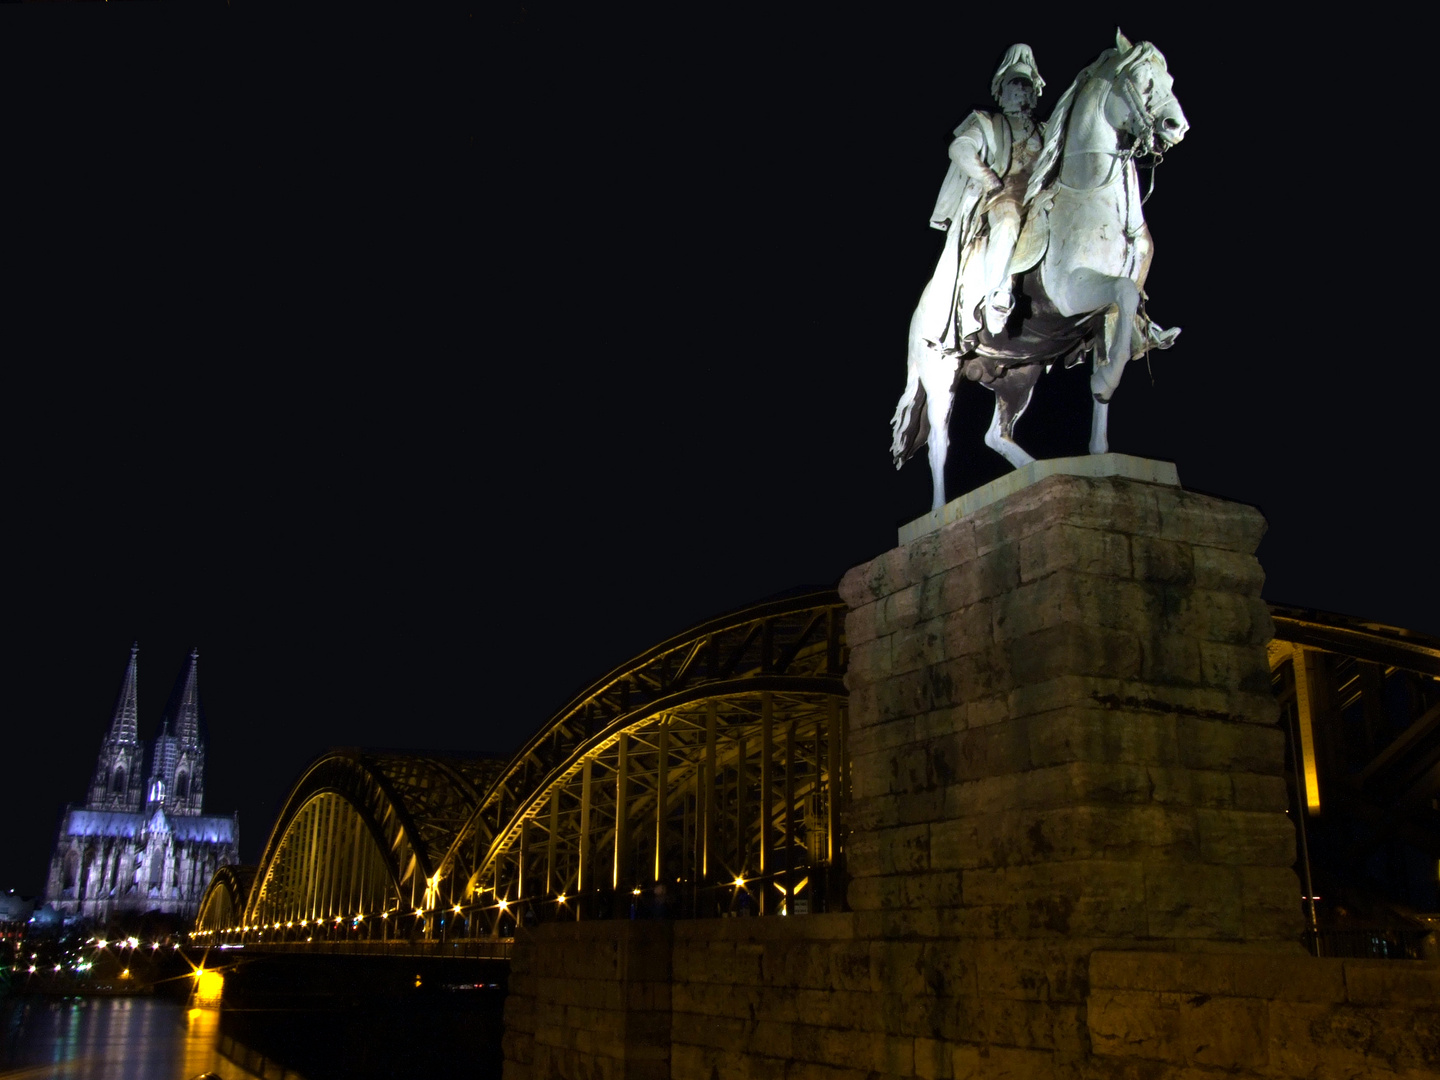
980	207
1001	309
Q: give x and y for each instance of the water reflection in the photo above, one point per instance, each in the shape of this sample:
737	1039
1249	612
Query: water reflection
113	1039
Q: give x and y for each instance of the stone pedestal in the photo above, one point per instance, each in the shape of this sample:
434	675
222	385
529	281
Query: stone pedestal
1062	724
1062	741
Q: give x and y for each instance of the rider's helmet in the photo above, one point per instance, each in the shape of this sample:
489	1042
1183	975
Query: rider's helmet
1018	61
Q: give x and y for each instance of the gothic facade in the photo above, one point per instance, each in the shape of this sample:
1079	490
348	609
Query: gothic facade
143	843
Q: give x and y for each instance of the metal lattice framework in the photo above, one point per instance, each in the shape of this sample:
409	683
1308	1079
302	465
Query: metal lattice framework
223	904
705	774
359	836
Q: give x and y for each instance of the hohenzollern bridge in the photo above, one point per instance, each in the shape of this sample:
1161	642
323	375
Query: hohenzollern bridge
707	777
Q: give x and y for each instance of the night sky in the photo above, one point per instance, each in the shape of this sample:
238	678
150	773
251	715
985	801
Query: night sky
420	373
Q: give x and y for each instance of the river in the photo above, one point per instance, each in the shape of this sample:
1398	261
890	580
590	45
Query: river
114	1038
157	1038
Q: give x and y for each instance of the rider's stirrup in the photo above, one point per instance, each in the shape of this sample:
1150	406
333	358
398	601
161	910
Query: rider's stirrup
996	316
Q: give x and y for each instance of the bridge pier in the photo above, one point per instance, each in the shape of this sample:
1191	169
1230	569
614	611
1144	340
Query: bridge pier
1064	743
1069	852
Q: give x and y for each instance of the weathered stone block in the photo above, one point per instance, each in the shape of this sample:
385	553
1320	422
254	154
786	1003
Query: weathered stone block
1074	649
1094	898
1065	546
1034	970
897	924
1104	504
899	611
1392	983
1192	901
1245	838
1287	978
870	662
1191	518
1001	1063
1270	899
972	582
1225	1032
941	551
969	630
1243	666
1170	659
925	644
1332	1042
1066	597
1162	562
1131	1023
1220	744
999	749
1103	735
1252	792
882	737
881	576
1227	571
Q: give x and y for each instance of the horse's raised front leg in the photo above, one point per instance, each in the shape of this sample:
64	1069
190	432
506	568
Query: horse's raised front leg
1090	290
1013	391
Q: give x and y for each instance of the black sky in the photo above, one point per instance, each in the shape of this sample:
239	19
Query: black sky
421	372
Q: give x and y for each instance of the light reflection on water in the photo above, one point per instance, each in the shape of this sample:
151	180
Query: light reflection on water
111	1039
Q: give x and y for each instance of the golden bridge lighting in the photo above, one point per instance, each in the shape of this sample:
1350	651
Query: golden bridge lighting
209	985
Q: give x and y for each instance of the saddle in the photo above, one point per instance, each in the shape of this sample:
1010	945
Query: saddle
1034	234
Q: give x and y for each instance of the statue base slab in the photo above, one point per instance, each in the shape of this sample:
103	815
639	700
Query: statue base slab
1097	465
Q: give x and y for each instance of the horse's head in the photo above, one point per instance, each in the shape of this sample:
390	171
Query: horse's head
1147	88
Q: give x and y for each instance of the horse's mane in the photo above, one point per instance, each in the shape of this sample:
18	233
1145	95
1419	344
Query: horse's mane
1049	160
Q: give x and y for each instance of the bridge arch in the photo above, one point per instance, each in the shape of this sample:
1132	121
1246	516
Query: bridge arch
223	903
704	775
356	839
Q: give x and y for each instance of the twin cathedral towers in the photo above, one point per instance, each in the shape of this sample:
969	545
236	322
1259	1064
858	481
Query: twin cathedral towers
141	841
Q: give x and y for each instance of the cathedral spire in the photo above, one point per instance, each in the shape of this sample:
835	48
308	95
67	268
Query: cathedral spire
124	725
117	783
187	717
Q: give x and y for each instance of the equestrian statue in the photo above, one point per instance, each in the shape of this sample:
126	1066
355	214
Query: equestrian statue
1046	249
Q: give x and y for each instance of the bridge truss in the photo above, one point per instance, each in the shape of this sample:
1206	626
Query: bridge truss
357	840
704	777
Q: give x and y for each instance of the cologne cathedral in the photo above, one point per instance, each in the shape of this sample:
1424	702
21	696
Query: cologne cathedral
142	844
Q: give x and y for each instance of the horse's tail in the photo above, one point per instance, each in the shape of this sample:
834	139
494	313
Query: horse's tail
910	426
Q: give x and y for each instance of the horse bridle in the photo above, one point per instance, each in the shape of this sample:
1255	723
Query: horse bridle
1145	140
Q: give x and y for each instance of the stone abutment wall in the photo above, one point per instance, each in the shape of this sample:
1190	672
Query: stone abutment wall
1070	853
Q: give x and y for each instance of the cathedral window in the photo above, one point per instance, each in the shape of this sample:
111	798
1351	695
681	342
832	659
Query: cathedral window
182	786
119	786
72	866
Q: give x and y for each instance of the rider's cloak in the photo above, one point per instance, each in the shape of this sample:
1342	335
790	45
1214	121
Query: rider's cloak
946	313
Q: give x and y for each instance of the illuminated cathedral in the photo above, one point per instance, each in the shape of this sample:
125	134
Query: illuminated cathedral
143	843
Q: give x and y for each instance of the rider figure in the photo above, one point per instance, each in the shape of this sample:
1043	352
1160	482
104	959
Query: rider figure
981	202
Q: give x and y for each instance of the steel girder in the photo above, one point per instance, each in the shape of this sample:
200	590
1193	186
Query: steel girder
223	903
715	755
361	832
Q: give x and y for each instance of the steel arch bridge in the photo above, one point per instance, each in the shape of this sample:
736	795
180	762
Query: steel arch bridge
705	776
358	837
708	773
